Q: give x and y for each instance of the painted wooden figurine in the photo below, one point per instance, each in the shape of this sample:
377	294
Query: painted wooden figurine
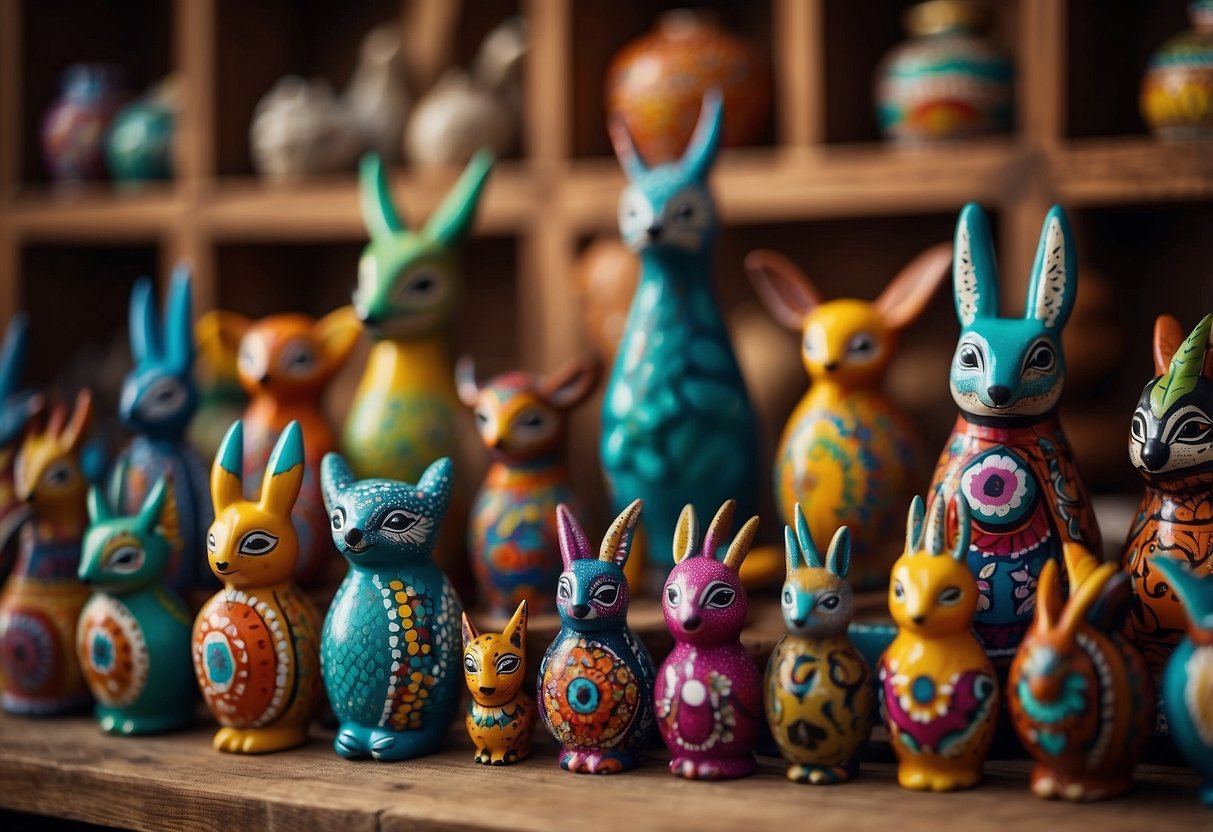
133	639
159	399
391	650
848	455
42	600
512	534
1080	694
285	363
819	691
1170	440
17	405
677	425
595	685
1007	456
256	641
1187	687
501	715
708	692
939	695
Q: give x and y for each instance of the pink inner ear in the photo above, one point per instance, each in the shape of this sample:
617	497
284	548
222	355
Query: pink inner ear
573	543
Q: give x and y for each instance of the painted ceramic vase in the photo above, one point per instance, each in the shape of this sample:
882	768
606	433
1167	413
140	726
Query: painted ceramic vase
139	144
256	641
677	422
949	81
849	456
938	692
1169	440
1177	90
1007	456
655	85
512	534
1186	699
377	96
819	694
74	128
300	128
501	715
1080	694
17	405
42	600
595	685
133	638
391	649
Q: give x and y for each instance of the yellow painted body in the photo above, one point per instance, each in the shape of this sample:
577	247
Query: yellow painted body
501	715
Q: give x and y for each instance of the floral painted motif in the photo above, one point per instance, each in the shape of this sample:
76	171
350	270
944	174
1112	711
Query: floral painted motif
995	486
590	695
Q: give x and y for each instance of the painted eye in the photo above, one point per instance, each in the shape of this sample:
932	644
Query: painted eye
482	417
861	345
685	212
399	521
337	518
815	346
533	425
718	595
673	594
211	544
298	359
830	602
1138	427
950	596
257	543
253	361
1040	358
607	594
635	212
1193	431
788	598
162	399
58	475
125	560
422	285
899	591
509	663
564	589
469	664
968	357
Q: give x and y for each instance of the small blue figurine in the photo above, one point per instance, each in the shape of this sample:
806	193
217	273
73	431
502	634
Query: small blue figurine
391	650
677	425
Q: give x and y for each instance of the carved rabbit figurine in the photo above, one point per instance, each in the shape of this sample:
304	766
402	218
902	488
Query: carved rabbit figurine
848	455
1007	456
39	673
17	405
708	694
595	685
819	691
255	641
512	531
939	695
501	715
677	425
1080	694
133	639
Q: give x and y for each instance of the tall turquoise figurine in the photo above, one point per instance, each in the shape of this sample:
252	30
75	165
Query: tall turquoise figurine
1187	685
133	638
391	649
159	398
677	425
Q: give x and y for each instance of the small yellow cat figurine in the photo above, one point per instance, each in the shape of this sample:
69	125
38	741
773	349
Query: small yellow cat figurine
501	716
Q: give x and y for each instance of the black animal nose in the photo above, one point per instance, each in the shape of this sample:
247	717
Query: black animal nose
263	378
919	620
654	232
365	317
1155	454
999	394
830	366
353	537
692	623
799	622
488	691
581	610
221	565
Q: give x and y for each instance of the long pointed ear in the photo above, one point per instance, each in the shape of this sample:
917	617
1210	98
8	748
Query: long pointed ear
784	289
375	194
686	533
227	472
1184	370
1054	282
117	483
567	387
740	547
337	334
437	483
335	477
12	355
98	508
791	551
974	272
1084	596
225	328
453	218
1168	335
470	633
465	381
838	555
903	300
1049	601
718	529
914	524
574	545
141	323
617	543
178	330
935	535
959	519
283	473
153	505
700	155
1080	562
804	537
515	630
625	148
82	416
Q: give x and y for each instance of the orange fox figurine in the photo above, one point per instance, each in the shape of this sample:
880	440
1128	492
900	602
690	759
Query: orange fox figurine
501	717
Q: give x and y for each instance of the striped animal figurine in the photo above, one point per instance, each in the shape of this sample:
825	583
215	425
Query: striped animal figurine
938	691
17	405
255	641
819	692
512	531
677	425
133	639
595	685
391	651
39	673
849	456
1007	456
501	715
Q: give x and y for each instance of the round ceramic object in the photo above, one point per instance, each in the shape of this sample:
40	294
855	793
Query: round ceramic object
139	144
1177	91
73	131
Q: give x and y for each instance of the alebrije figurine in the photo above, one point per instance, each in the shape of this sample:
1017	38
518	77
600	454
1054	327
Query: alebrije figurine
708	692
1080	694
595	685
390	652
677	425
39	674
1007	457
848	455
255	643
133	639
1170	444
159	399
1187	686
512	530
285	362
938	692
819	691
501	715
221	398
17	405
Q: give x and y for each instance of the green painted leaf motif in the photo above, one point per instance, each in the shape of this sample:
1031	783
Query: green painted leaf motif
1180	377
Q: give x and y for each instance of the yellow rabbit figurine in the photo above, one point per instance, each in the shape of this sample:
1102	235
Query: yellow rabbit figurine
501	716
938	691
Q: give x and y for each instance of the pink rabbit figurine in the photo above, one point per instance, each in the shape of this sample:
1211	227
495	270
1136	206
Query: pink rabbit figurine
709	691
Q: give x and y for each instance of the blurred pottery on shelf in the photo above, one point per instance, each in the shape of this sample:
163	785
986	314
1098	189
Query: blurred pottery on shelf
607	274
139	144
74	129
377	97
301	128
1177	90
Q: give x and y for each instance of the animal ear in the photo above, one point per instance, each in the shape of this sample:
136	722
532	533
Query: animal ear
227	328
935	534
903	300
1049	601
569	385
1079	560
227	472
12	355
452	219
470	633
335	476
974	272
958	520
700	155
82	415
617	544
153	505
465	381
718	529
740	547
436	484
337	334
283	473
914	524
784	289
178	330
98	508
625	147
1111	608
838	555
378	212
791	550
1084	595
1054	282
1184	370
804	538
686	533
1168	335
573	543
515	630
141	323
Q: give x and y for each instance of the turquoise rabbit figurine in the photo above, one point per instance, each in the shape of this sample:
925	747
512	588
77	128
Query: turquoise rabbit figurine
17	405
133	639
